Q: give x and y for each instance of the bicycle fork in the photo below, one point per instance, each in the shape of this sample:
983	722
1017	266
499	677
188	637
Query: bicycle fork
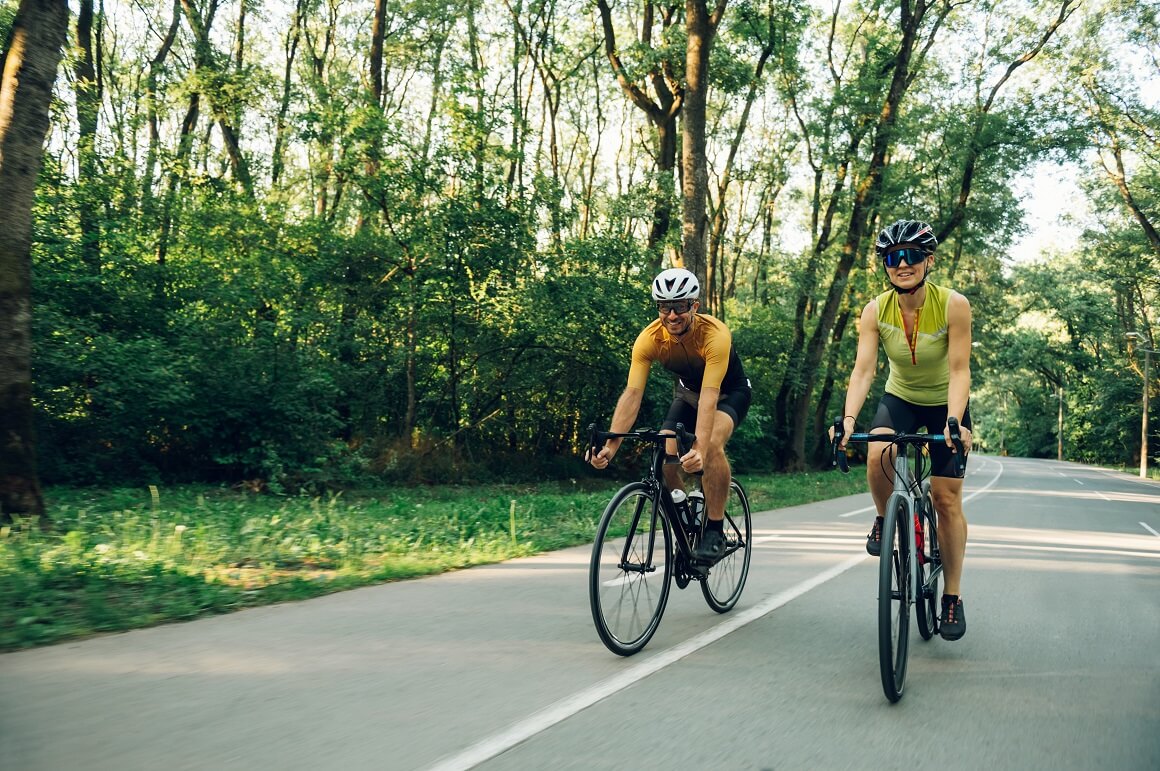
646	564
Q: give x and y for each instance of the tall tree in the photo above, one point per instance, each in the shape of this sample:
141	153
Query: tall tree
88	104
701	30
661	109
29	65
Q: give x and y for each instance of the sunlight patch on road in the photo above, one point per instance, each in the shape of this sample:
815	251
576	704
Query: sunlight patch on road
1111	497
975	545
1000	534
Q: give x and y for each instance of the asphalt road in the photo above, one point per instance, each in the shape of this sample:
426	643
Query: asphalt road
499	667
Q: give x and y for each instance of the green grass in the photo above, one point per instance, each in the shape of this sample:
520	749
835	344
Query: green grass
122	559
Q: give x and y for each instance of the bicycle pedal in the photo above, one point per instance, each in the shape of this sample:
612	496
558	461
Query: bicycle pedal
697	568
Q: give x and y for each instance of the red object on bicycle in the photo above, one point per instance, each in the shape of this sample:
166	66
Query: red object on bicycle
918	539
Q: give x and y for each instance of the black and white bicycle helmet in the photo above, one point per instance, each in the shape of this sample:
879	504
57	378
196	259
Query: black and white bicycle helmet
906	232
676	284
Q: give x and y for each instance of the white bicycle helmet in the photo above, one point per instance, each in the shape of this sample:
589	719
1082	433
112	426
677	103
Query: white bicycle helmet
676	284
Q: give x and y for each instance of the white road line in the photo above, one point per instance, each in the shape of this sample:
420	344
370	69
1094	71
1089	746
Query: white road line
857	511
1150	530
987	486
566	708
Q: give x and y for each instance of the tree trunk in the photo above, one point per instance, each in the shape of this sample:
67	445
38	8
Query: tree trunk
152	155
865	202
662	113
974	149
29	71
88	104
293	35
701	27
715	283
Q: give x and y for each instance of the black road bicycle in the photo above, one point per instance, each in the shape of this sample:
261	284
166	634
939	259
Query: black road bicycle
644	544
909	565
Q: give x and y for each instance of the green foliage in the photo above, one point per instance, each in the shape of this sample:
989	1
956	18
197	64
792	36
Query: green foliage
442	282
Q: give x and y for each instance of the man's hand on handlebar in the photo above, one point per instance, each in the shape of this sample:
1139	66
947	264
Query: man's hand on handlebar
692	462
599	459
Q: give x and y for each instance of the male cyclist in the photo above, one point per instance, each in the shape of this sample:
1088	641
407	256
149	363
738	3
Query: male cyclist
698	349
925	330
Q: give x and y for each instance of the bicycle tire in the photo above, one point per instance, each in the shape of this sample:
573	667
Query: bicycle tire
726	580
927	595
893	604
627	589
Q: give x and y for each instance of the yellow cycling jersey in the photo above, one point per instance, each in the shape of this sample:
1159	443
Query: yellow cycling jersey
704	357
919	372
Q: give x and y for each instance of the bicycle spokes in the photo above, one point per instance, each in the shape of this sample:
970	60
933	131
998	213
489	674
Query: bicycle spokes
630	570
722	586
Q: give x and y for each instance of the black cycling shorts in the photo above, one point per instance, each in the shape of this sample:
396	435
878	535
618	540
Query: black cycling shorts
733	403
907	418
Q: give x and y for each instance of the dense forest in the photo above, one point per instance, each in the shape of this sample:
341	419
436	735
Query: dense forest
318	243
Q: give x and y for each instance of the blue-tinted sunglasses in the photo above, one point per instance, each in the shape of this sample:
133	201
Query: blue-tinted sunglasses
911	256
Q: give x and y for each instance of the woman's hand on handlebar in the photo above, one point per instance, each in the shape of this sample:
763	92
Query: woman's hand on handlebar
847	429
964	437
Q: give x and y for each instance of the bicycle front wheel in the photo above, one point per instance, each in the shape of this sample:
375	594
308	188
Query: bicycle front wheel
628	578
893	596
927	595
722	587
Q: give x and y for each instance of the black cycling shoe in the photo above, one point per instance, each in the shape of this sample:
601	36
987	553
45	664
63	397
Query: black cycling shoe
711	548
874	539
953	623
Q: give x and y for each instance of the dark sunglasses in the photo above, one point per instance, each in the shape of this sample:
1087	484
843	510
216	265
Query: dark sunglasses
680	307
911	256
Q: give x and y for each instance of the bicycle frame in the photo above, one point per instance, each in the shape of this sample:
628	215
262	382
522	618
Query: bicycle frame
661	495
905	488
899	588
910	494
628	587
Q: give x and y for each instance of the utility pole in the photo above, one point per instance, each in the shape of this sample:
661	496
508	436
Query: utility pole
1144	413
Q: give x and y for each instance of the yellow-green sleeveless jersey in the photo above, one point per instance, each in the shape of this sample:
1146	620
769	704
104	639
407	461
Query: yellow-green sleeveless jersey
919	371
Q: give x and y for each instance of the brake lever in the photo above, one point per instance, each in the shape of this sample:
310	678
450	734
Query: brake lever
957	441
838	456
684	440
593	443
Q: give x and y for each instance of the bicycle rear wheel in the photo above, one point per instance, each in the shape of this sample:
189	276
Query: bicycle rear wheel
628	578
893	594
927	595
722	587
